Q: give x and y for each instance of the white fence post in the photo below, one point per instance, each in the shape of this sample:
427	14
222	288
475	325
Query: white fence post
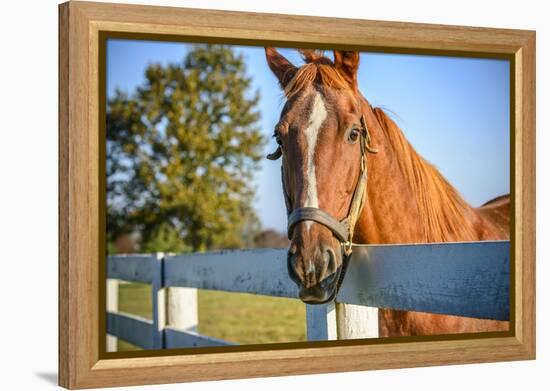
183	309
356	321
112	306
159	300
321	322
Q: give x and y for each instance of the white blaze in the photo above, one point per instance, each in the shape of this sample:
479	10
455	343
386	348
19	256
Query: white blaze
318	115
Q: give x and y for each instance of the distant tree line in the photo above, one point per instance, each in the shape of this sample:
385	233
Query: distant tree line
267	238
181	153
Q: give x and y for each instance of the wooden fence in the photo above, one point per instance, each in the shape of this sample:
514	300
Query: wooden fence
466	279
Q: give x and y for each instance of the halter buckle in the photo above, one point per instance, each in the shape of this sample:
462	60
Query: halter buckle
347	248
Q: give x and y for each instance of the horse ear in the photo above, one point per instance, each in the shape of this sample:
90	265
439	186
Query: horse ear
347	64
280	66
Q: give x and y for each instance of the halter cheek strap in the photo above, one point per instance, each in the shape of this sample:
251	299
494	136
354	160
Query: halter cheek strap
342	229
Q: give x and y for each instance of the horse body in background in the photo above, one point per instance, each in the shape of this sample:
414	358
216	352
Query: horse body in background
406	199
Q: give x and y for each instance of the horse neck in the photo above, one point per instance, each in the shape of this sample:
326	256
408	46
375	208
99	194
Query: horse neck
408	201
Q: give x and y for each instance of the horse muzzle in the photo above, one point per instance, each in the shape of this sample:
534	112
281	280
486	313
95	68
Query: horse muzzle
317	276
321	293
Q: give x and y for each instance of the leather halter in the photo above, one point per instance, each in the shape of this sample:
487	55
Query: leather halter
341	229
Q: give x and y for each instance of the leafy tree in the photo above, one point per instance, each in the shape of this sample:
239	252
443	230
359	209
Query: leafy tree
181	152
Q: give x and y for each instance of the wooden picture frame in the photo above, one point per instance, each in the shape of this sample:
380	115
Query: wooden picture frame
82	363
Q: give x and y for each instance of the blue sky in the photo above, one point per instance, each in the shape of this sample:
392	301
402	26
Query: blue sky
454	111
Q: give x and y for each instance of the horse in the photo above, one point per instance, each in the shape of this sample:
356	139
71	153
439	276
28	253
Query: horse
331	140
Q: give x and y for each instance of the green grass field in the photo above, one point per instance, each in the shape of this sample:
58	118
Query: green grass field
235	317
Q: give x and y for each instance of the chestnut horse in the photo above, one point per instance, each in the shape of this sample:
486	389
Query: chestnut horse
325	131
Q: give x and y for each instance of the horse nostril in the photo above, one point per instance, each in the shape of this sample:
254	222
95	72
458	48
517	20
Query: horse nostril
292	250
329	257
291	265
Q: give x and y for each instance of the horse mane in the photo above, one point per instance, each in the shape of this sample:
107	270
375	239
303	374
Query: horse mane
317	69
442	210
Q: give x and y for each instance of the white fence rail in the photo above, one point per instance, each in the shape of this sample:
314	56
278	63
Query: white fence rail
466	279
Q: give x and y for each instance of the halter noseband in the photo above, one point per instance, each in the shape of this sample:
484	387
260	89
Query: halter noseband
341	229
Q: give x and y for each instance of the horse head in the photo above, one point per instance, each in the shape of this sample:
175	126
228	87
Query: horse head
322	137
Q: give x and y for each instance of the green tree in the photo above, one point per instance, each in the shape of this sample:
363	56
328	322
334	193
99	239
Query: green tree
181	153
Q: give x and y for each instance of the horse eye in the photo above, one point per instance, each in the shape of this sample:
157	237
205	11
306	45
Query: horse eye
354	135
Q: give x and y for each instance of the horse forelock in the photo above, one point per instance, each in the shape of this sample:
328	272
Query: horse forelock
320	71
